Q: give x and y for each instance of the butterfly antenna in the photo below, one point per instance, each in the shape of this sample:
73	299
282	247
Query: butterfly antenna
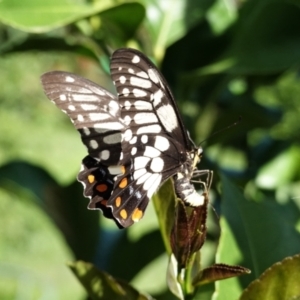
223	129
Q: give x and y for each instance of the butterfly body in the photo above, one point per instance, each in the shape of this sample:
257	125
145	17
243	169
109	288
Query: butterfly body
135	140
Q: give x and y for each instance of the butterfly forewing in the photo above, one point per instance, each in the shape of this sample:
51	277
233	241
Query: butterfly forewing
154	142
147	102
94	111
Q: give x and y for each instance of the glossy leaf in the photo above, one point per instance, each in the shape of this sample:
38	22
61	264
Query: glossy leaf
280	281
41	16
260	229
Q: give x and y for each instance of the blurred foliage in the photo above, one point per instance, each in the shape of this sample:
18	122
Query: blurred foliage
223	59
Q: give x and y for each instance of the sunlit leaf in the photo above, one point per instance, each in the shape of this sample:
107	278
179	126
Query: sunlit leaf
280	281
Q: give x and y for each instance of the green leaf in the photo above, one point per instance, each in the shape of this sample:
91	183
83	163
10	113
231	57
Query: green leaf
281	281
167	25
42	16
260	230
101	285
266	38
116	24
164	203
65	205
280	170
228	252
33	251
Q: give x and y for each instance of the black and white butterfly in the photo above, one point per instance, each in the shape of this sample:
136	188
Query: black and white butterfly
135	140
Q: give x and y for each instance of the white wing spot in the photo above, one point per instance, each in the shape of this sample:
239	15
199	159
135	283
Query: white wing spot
70	79
122	79
89	106
140	162
133	151
153	76
157	164
138	173
157	96
142	105
161	143
151	152
144	139
98	91
86	131
127	104
139	93
112	138
127	120
80	118
152	184
104	154
115	170
94	144
114	106
127	135
63	97
143	178
71	107
142	83
149	129
109	125
142	74
98	116
133	140
130	71
136	59
125	92
101	130
142	118
120	68
85	97
167	117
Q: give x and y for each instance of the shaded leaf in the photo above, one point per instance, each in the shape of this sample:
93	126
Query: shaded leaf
101	285
280	281
117	25
260	229
65	205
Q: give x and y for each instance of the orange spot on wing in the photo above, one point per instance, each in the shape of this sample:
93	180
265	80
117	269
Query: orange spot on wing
103	202
123	183
123	169
137	215
118	201
101	187
91	178
123	214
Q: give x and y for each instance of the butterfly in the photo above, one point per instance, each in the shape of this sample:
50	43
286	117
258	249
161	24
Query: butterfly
135	140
